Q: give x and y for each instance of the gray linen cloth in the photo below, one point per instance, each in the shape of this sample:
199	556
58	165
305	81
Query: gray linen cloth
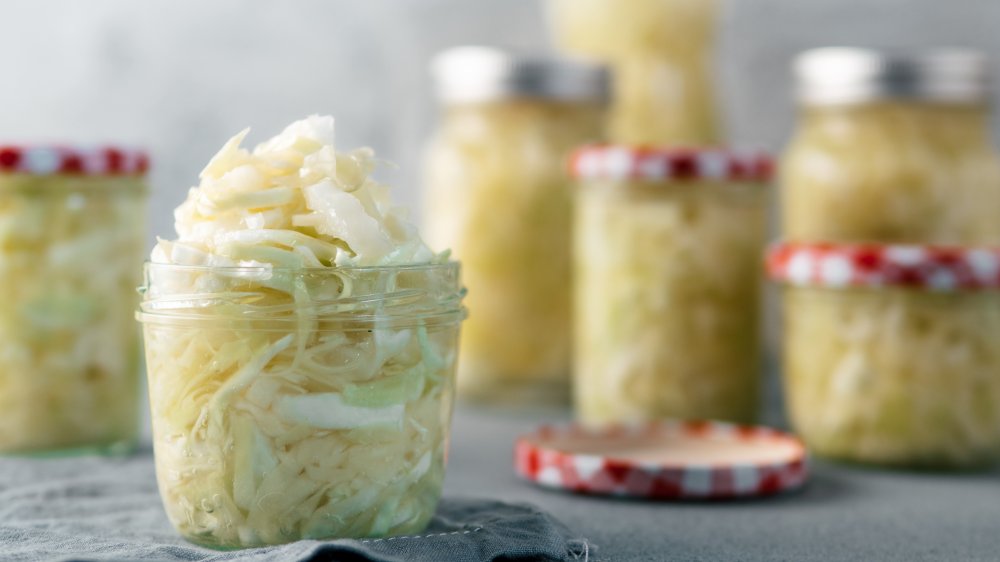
93	508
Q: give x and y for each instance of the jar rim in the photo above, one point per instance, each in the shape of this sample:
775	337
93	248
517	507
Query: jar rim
445	265
247	297
356	324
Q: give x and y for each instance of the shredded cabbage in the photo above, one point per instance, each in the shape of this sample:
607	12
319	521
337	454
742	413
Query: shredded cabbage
497	193
660	51
70	249
294	394
291	199
892	172
667	301
894	376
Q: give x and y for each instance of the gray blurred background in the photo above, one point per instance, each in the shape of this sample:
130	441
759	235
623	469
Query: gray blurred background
181	76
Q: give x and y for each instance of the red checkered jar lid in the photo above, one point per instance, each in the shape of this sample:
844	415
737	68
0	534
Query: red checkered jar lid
630	163
72	160
663	460
932	268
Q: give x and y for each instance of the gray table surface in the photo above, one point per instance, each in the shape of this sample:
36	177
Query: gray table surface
844	513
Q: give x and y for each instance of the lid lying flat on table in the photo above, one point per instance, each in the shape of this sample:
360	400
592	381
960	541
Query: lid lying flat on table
480	74
100	160
663	460
934	268
621	162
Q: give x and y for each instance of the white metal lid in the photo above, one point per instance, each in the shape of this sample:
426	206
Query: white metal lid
479	74
845	75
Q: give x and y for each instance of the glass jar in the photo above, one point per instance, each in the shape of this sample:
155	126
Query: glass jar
661	53
667	251
890	352
497	194
296	404
72	234
892	148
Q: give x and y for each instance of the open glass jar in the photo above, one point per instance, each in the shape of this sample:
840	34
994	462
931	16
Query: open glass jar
667	250
71	242
661	53
497	194
890	351
296	404
892	147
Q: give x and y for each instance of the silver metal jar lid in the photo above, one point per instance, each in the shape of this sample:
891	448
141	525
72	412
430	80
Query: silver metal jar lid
841	75
480	74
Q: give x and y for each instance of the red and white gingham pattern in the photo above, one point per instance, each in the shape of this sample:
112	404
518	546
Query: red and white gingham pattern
539	462
89	161
617	162
935	268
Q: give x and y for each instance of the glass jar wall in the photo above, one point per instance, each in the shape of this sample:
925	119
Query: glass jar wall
890	352
71	243
667	252
307	403
497	194
892	148
661	53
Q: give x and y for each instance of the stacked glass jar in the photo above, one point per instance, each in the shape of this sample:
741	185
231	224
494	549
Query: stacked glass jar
660	51
891	196
499	196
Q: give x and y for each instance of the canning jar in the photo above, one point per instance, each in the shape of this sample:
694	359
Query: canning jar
890	351
893	148
71	242
667	250
497	194
304	403
661	53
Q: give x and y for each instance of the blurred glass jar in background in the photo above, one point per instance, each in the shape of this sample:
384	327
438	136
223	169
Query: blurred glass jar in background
498	194
892	148
661	53
667	250
890	352
72	235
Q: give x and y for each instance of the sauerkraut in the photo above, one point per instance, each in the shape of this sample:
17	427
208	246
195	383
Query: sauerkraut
301	342
892	172
70	250
894	376
498	194
667	301
660	51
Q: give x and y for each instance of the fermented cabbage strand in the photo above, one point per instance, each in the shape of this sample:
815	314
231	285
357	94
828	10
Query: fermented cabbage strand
292	202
